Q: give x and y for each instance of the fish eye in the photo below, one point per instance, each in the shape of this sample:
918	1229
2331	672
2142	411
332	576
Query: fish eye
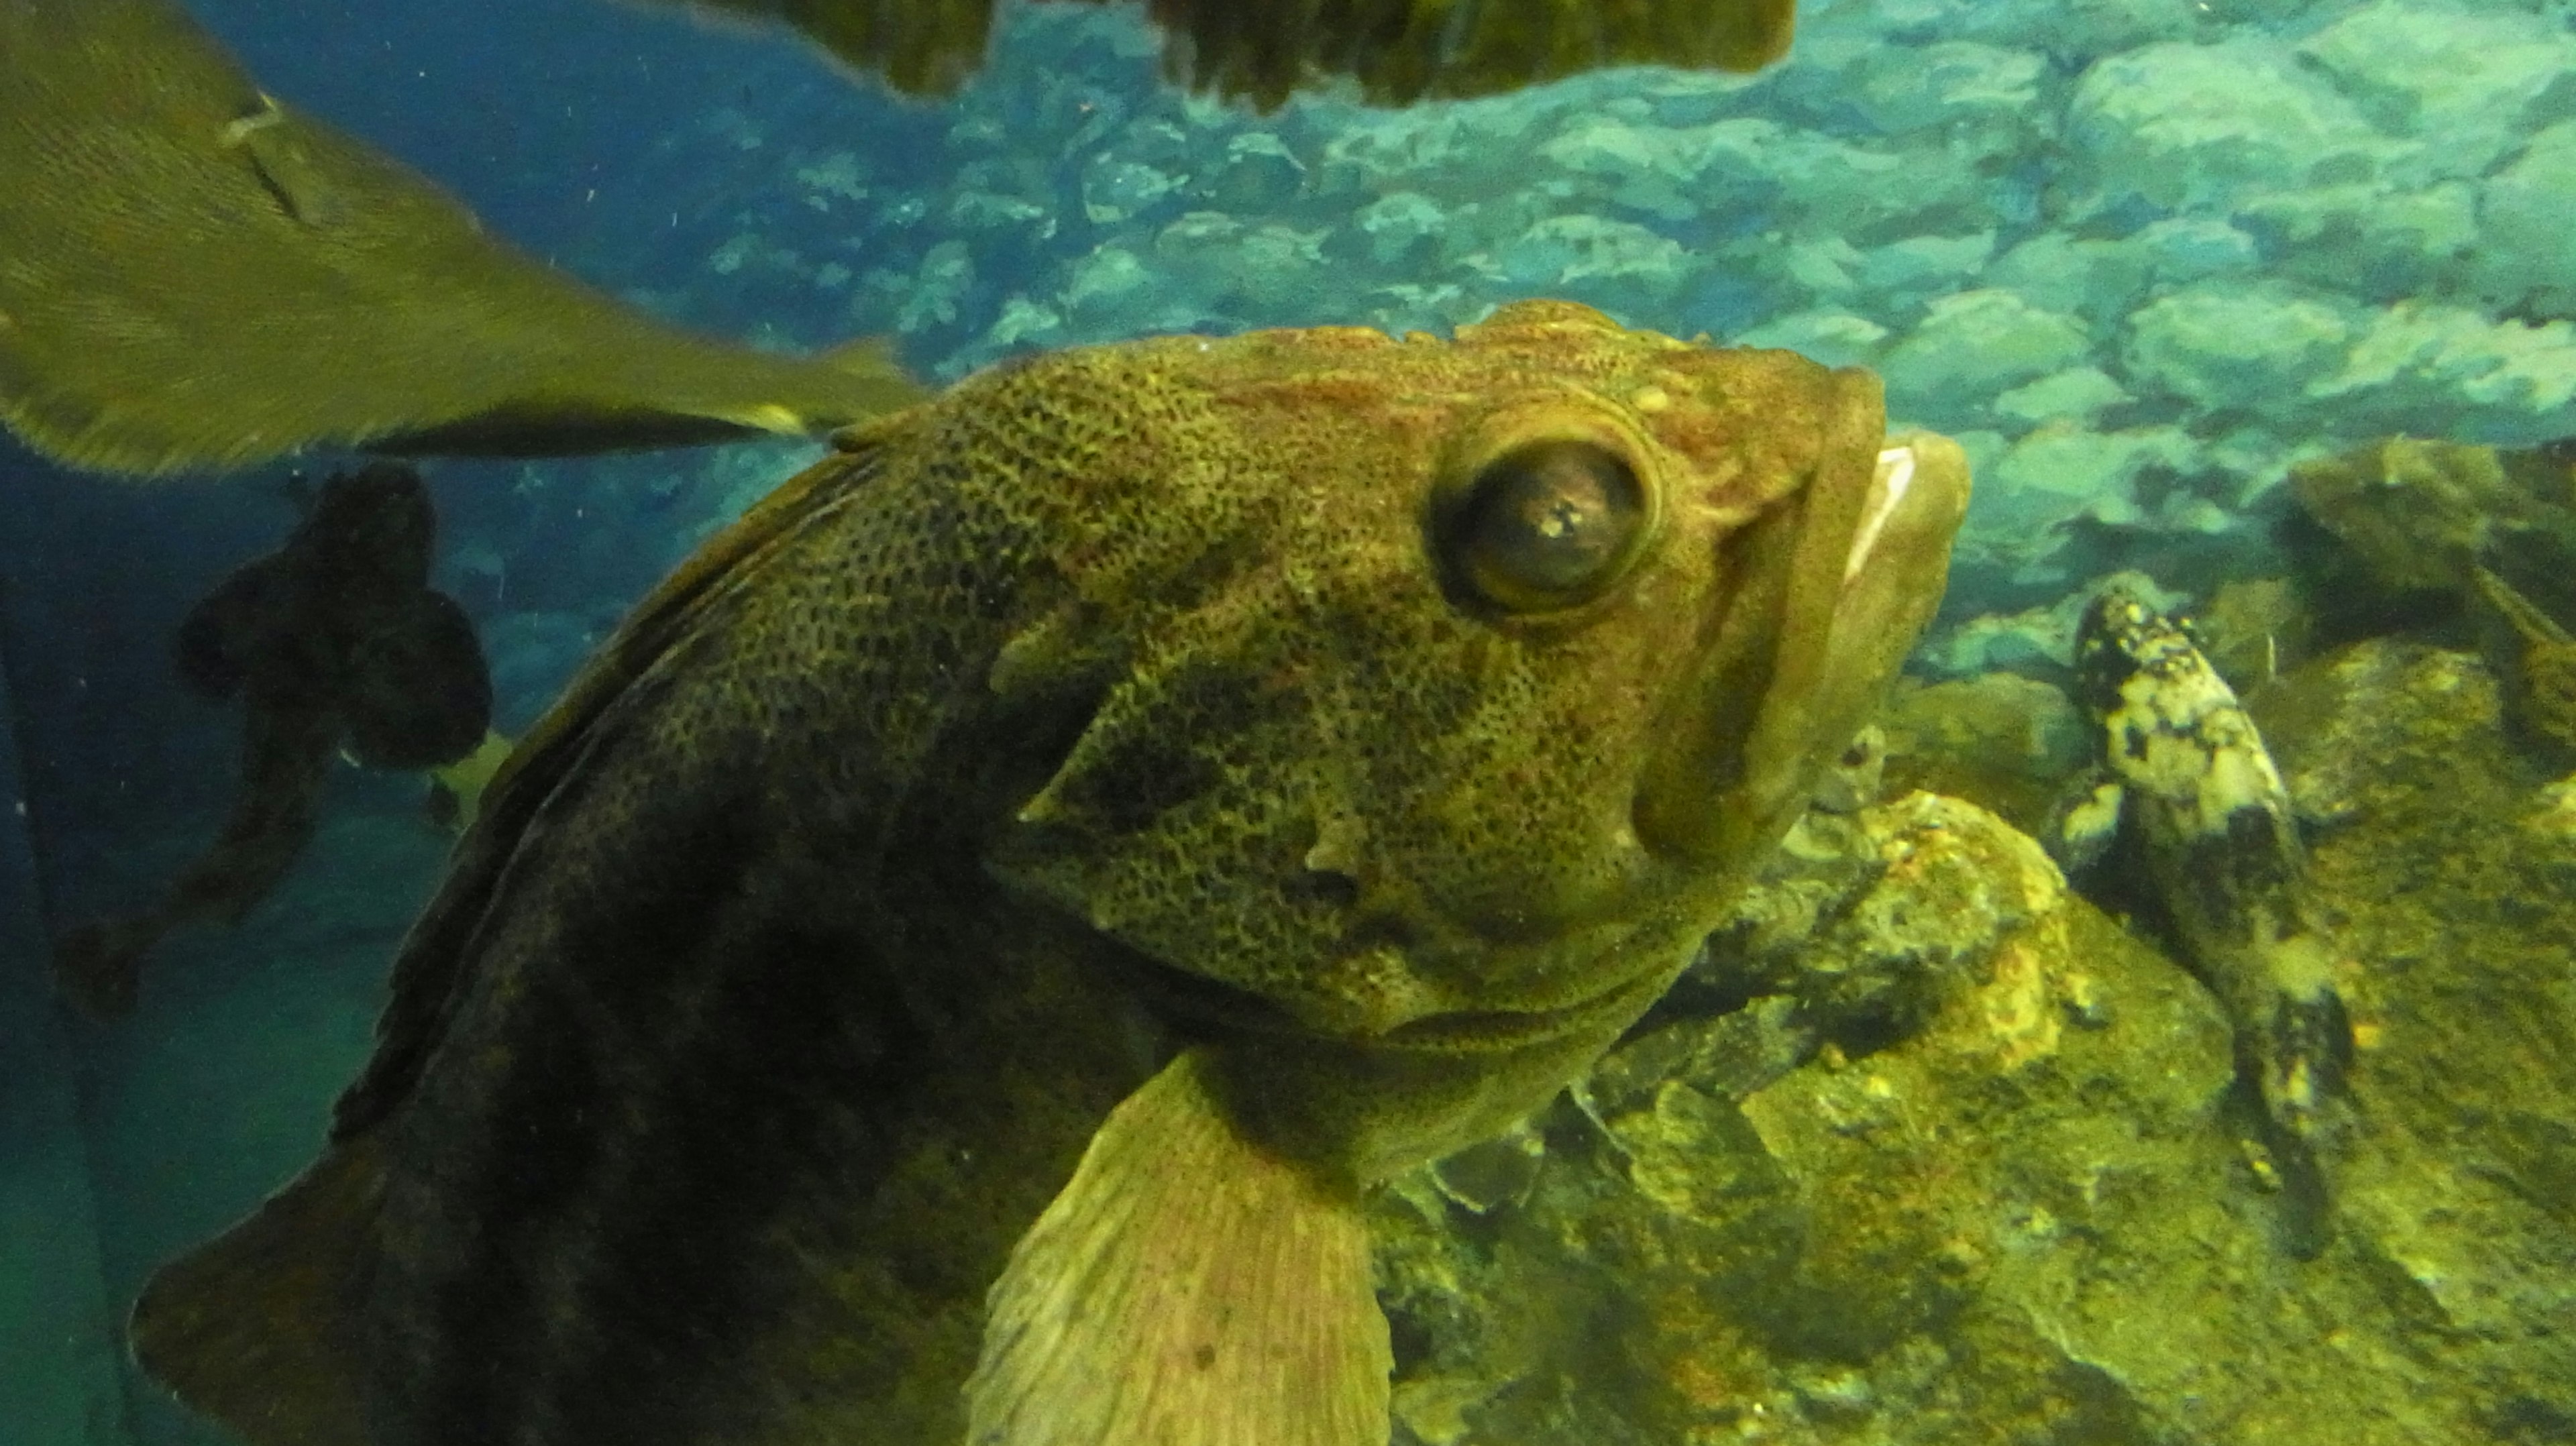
1546	525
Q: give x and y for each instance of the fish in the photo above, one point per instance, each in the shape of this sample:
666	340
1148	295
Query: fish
201	277
333	643
2182	771
1398	53
951	965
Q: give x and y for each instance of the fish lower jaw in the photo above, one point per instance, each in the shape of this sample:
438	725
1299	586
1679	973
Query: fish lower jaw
1472	1031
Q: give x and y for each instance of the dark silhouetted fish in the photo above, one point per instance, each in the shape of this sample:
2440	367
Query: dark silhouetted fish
335	641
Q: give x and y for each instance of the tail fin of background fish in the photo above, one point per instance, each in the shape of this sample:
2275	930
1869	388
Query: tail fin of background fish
2193	785
201	277
1186	1287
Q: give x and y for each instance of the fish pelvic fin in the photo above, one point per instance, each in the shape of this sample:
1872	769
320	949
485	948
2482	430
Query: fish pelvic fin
1187	1288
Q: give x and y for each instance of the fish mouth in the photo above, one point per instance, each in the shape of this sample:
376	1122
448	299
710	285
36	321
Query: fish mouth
1832	596
1887	490
1480	1031
1203	1005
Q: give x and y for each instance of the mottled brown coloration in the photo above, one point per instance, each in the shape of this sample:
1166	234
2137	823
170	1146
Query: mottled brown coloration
1118	702
1397	51
336	640
193	275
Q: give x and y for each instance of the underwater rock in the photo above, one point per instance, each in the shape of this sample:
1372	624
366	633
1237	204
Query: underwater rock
2419	512
2496	528
2535	661
1975	1094
2451	863
2059	472
2254	629
2093	277
2465	79
2231	344
2371	243
2003	741
1984	99
1596	260
1836	338
2185	125
2442	370
2028	1216
2073	396
2523	208
1978	343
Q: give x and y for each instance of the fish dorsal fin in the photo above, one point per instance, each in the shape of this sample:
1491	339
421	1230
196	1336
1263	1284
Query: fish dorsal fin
426	972
256	1328
1187	1288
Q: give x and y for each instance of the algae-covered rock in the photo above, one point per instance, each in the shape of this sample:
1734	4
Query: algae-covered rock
2007	742
1928	1150
2420	512
2454	863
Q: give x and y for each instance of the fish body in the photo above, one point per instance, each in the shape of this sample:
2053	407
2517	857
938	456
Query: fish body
1266	51
2182	769
335	641
1063	848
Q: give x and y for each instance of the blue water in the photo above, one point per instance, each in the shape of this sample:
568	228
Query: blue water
2139	257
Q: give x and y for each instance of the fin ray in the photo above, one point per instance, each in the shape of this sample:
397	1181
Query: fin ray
1187	1288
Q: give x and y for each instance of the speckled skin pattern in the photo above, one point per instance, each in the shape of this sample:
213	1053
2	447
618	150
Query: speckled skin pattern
1119	700
2220	841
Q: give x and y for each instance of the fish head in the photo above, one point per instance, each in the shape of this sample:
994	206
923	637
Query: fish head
1454	685
374	525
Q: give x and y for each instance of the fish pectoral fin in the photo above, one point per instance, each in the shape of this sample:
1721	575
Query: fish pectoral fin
200	278
419	693
1187	1288
2085	822
256	1328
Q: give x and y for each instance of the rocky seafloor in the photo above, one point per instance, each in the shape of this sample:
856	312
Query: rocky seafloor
1929	1149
